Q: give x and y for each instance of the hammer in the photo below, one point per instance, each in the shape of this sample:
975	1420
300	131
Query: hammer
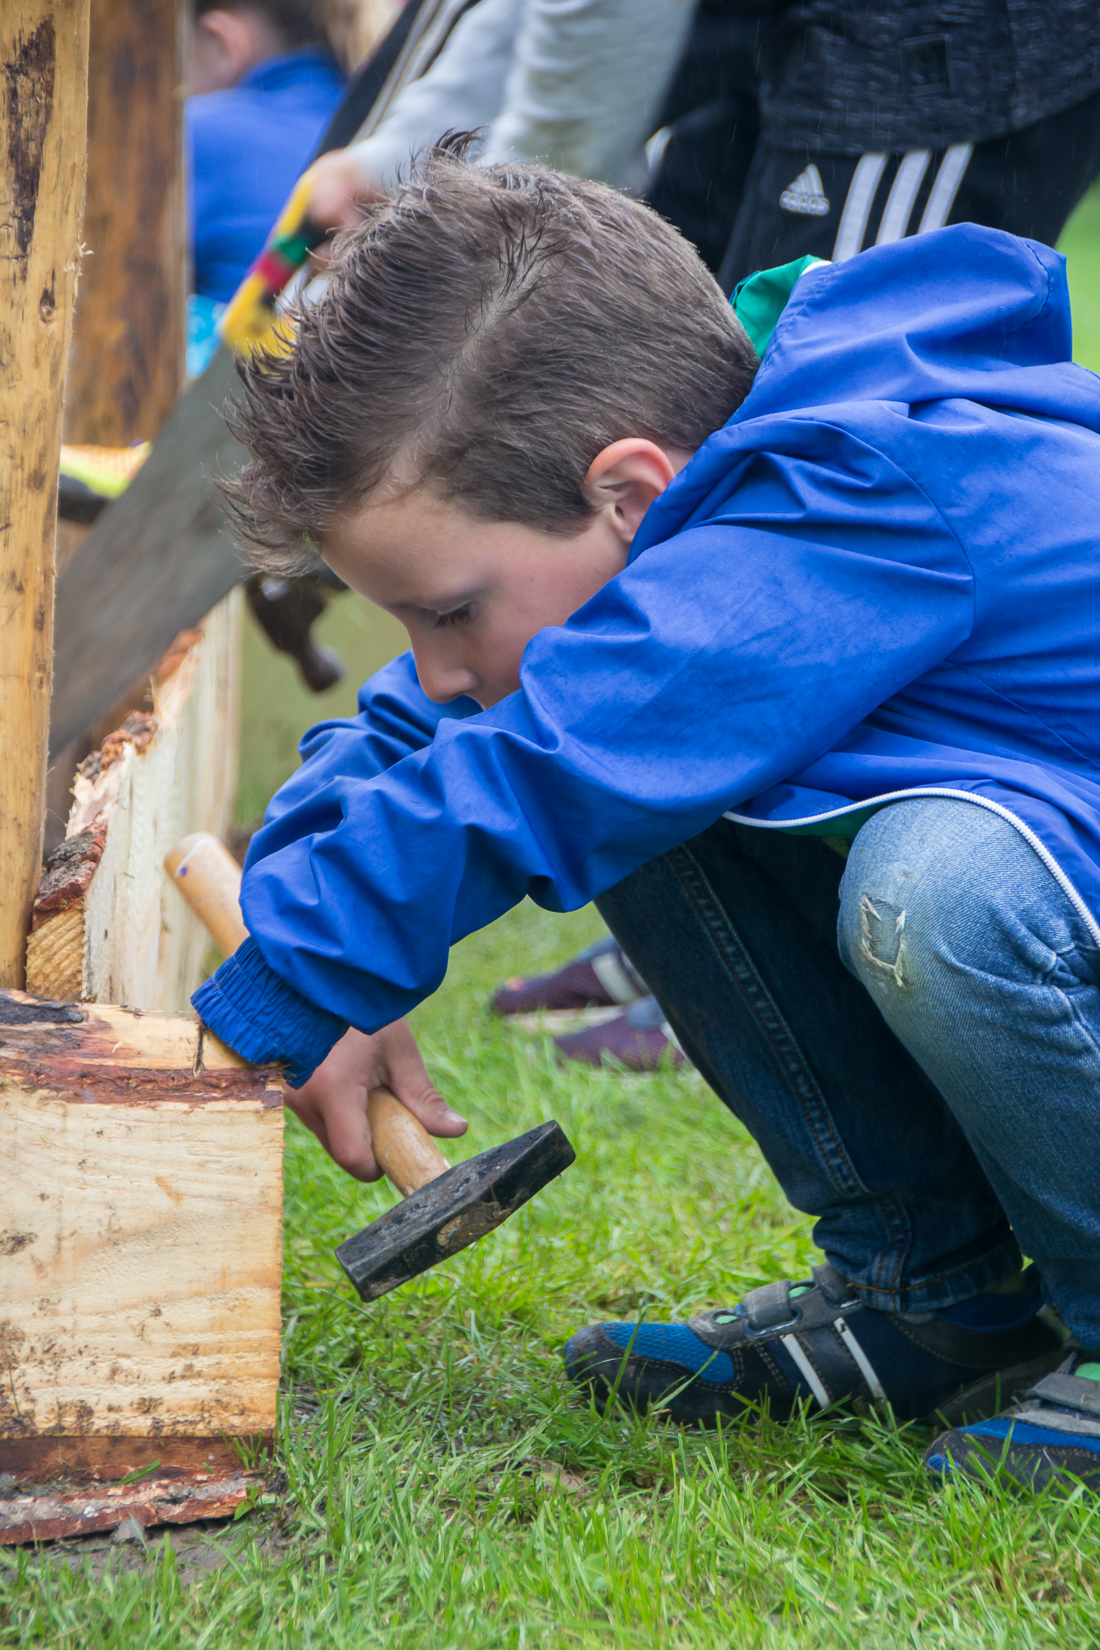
443	1209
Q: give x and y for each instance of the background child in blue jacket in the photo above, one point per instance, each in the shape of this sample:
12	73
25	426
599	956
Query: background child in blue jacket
791	666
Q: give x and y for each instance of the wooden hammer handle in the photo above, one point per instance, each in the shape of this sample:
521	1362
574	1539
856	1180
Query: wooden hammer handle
209	879
405	1150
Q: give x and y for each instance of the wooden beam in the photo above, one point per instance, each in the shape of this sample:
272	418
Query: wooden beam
140	1225
43	110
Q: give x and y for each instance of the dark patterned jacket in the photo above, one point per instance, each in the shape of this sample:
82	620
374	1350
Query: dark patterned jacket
846	76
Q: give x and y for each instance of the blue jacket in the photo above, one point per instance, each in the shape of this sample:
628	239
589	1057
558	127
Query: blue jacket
880	579
245	149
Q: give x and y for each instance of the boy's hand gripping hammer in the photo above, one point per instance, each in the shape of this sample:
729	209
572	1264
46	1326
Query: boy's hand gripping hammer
444	1209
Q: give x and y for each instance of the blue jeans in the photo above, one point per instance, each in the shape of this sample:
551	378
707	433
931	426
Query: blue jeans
911	1035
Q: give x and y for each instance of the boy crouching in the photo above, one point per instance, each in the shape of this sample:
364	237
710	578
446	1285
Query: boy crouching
791	664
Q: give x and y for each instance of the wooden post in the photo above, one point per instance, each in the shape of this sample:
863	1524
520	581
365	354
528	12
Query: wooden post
43	104
126	363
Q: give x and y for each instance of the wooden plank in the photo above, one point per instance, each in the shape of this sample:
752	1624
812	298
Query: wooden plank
141	1200
155	562
43	102
108	925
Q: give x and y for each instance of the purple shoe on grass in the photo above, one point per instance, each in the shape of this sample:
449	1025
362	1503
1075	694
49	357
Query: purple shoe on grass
600	977
639	1040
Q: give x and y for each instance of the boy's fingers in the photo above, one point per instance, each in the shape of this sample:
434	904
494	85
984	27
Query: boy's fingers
348	1141
433	1111
409	1080
340	1125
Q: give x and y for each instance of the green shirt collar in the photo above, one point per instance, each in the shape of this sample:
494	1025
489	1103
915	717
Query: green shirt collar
760	299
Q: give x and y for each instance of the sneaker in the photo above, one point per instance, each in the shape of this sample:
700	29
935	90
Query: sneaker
600	977
814	1344
1049	1436
641	1039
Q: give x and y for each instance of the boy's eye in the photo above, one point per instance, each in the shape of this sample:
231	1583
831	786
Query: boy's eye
457	615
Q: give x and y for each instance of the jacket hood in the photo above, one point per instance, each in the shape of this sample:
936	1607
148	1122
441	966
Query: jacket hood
959	313
929	317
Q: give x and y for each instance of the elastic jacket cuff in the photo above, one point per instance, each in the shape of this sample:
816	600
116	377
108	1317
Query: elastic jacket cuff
263	1019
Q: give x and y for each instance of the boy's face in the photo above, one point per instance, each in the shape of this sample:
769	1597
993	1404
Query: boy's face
471	594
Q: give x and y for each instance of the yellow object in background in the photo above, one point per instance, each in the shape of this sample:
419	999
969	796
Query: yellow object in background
104	471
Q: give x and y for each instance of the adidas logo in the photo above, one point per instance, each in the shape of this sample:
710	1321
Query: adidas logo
806	195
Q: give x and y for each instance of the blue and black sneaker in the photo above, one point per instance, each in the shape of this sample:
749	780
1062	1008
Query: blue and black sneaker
1049	1437
815	1344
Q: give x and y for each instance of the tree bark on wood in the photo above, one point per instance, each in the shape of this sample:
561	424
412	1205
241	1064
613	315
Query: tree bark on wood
43	112
107	923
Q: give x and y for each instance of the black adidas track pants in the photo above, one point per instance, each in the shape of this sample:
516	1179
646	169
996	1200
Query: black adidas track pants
833	206
749	203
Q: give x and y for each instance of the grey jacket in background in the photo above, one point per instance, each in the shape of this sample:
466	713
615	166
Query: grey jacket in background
575	83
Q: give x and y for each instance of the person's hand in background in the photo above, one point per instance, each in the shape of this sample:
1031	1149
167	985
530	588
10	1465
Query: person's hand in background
339	190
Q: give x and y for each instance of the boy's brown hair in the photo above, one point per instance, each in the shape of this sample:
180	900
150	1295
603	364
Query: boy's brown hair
486	331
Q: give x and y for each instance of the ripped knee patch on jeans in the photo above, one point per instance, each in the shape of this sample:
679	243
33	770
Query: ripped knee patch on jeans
882	939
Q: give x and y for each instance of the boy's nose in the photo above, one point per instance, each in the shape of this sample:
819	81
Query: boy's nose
443	680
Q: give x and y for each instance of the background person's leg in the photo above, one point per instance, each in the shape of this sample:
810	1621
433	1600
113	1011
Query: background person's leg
711	123
981	965
833	206
1030	181
736	934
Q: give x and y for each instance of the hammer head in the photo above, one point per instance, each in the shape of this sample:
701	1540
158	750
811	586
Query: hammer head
452	1212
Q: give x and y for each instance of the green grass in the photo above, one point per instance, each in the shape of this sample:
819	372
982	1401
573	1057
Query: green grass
420	1508
1081	244
443	1484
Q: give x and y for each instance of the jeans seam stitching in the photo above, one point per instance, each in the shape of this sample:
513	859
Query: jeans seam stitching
697	887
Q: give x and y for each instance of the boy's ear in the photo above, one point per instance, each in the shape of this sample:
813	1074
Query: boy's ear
625	478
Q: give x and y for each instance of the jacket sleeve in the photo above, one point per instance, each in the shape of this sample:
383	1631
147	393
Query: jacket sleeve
586	83
461	91
395	718
723	659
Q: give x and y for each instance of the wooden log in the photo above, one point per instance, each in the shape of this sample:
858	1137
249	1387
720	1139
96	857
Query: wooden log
43	102
140	1225
129	330
108	925
126	364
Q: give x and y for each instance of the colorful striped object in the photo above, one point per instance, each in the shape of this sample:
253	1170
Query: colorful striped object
251	320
